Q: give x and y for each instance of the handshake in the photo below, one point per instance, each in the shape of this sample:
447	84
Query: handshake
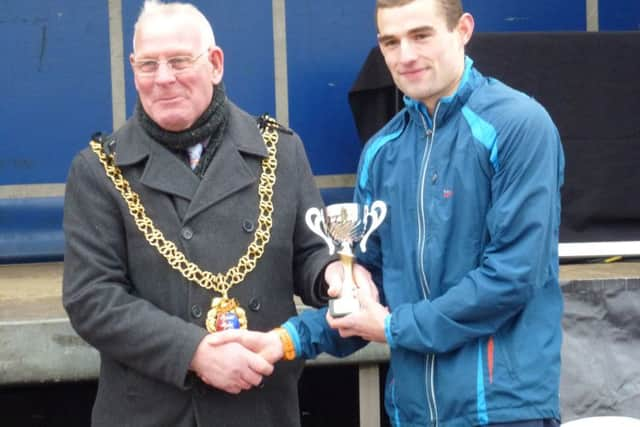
238	359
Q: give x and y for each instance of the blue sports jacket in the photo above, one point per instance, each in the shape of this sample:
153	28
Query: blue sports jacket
467	258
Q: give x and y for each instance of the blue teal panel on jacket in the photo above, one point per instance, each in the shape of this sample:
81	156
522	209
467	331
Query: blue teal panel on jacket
484	133
483	417
387	331
371	153
396	414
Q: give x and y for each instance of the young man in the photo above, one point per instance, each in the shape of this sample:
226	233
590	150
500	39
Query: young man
183	191
467	257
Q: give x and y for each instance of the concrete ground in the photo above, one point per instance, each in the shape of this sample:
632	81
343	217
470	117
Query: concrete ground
33	291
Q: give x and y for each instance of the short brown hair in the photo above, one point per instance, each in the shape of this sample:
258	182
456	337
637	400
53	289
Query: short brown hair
451	9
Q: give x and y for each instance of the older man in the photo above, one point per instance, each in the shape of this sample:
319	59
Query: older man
189	216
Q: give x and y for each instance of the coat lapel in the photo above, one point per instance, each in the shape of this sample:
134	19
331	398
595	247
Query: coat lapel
163	171
229	170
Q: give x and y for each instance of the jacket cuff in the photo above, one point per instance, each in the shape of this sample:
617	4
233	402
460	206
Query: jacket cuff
192	338
387	331
295	337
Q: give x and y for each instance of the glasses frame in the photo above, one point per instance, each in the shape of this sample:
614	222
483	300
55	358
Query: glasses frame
191	60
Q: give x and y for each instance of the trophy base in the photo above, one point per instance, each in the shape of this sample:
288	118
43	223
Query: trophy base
341	307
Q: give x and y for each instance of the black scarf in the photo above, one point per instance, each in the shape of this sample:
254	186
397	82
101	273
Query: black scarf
211	125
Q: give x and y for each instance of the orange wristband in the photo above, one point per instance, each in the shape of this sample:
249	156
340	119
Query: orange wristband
288	349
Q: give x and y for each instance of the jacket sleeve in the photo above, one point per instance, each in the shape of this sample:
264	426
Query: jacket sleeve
312	335
521	253
311	254
101	303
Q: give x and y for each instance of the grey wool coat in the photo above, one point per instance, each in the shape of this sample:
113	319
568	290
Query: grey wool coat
142	316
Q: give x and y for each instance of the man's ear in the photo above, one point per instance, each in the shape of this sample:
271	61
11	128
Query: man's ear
132	61
465	27
216	57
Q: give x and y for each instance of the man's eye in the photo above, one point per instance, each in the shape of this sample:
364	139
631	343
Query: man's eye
390	43
148	65
180	62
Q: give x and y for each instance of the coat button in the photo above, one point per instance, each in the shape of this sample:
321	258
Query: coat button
196	311
187	233
434	178
248	226
254	304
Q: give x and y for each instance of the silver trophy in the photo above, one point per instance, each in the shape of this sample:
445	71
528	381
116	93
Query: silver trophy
342	225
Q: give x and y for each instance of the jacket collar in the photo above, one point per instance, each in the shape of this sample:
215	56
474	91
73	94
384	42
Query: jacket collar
449	105
227	173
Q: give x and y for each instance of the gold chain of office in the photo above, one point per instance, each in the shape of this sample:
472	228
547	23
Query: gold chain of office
219	282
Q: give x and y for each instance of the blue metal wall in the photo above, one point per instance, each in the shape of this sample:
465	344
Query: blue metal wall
539	15
55	77
327	43
55	85
619	15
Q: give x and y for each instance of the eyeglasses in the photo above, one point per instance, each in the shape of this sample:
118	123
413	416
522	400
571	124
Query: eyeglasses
177	64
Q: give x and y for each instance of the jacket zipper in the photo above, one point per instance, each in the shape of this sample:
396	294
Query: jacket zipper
422	227
422	219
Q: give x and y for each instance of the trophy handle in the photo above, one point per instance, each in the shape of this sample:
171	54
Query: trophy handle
315	222
377	212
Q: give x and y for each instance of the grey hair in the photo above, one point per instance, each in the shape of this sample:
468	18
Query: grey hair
157	7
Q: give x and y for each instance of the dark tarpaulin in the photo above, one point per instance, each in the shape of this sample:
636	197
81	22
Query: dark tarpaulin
601	349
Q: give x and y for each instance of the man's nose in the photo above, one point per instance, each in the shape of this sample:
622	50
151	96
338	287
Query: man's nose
164	73
407	51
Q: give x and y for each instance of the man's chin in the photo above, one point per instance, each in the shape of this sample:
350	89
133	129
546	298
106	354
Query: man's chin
414	94
173	124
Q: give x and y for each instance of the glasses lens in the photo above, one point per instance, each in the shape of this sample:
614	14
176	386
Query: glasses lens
147	66
180	63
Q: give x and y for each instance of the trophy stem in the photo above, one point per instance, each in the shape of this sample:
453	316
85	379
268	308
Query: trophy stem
348	283
347	302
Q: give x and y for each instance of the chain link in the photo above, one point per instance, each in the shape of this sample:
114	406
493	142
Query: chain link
219	282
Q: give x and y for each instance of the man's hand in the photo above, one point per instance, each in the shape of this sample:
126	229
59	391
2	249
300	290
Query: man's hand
266	344
228	365
368	322
334	276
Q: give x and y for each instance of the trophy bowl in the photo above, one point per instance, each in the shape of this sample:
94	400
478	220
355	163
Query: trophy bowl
343	225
